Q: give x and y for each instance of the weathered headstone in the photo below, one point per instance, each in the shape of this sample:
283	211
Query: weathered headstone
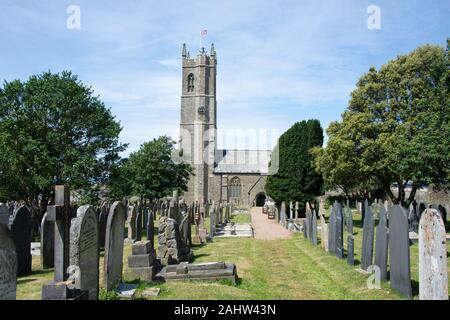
8	265
433	273
84	251
296	210
102	219
4	215
139	219
305	235
21	235
212	223
324	233
314	228
150	228
400	271
413	218
113	262
422	207
381	244
349	219
308	222
350	250
283	214
368	235
332	231
169	243
339	232
47	242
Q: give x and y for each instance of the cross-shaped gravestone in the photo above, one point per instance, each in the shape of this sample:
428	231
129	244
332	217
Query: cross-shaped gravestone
61	214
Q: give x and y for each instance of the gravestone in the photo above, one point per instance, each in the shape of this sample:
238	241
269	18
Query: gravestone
350	250
413	218
21	235
349	219
212	223
332	231
47	242
400	271
324	233
368	235
443	213
308	222
102	219
339	232
131	223
139	224
433	278
84	251
170	250
422	207
4	215
283	214
381	244
113	262
8	265
150	228
296	210
314	228
144	218
304	229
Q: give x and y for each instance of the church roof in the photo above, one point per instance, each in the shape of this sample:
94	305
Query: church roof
242	161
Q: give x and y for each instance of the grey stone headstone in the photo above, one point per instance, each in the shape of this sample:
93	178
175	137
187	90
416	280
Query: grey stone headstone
144	217
84	251
400	271
381	244
131	223
422	207
314	228
47	243
304	229
4	215
8	265
350	250
102	219
368	235
21	235
139	224
339	232
113	262
433	272
150	228
308	224
212	224
349	219
413	218
332	231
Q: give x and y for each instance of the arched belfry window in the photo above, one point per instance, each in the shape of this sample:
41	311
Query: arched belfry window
235	187
190	83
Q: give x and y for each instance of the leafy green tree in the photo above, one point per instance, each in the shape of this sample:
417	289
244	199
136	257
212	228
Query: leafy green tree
53	130
396	130
296	179
152	172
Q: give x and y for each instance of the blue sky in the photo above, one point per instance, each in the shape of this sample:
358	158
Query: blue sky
278	61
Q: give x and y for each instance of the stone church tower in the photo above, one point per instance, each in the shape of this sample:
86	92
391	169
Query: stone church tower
199	119
236	176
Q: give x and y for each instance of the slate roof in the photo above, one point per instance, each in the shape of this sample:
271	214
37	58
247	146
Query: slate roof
242	161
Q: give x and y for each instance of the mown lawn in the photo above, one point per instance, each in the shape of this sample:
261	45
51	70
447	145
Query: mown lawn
267	269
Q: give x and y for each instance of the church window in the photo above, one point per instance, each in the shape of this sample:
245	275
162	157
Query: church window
190	84
235	188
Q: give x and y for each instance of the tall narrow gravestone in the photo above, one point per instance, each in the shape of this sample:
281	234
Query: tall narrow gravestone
21	235
212	223
324	232
47	242
84	251
314	228
8	265
332	231
381	244
368	235
113	262
151	228
4	215
349	219
131	223
339	232
433	278
139	224
400	271
102	219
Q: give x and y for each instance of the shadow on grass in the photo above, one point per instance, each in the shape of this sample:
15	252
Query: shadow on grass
200	255
41	271
22	281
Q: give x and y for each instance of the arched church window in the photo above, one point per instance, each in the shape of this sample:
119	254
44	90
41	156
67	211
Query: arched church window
235	187
190	83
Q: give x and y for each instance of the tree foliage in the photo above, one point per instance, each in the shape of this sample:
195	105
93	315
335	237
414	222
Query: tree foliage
150	172
296	179
53	130
396	129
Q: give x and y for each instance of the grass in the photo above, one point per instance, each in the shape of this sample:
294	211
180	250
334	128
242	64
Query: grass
277	269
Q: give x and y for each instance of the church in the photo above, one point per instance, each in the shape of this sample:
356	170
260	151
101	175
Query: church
233	176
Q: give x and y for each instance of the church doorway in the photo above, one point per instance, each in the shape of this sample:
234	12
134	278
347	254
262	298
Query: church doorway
260	199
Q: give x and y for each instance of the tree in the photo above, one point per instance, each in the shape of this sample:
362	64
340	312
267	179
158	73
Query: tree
54	131
296	179
152	172
396	130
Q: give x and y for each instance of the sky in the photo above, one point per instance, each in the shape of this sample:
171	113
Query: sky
279	62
